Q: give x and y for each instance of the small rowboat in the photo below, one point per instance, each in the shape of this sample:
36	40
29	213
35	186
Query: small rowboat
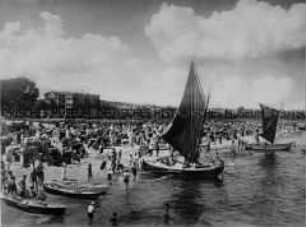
201	172
101	188
32	206
80	192
269	147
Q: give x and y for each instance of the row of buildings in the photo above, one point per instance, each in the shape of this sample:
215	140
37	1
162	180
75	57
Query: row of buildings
69	104
84	105
19	98
57	104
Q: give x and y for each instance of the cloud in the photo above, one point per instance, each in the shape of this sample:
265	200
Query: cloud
271	89
230	88
251	29
53	24
233	91
106	65
90	63
237	51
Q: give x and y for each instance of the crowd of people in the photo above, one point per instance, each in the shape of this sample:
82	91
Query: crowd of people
62	142
121	146
10	186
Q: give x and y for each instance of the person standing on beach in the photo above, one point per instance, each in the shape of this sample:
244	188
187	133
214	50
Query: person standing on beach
34	179
257	136
114	161
157	148
109	170
89	172
119	155
23	186
64	171
151	146
134	170
40	173
12	188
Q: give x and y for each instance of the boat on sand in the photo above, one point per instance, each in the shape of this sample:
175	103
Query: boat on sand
73	189
33	206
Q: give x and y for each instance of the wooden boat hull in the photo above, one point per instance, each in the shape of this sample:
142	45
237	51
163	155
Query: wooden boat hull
203	173
68	184
30	207
269	147
56	189
302	128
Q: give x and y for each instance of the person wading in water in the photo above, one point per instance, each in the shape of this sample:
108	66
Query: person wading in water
113	219
126	177
90	212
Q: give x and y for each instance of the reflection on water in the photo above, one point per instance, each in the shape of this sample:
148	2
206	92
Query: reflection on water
268	162
50	219
187	201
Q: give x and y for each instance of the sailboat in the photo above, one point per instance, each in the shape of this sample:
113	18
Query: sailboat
270	117
184	133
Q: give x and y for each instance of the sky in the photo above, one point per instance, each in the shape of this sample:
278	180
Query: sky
246	52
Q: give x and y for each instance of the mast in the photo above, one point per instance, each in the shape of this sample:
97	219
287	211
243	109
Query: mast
184	131
281	125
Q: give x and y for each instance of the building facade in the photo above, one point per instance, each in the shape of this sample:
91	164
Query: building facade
73	105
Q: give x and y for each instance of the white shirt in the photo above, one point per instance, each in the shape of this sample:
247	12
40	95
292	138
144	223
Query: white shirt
90	208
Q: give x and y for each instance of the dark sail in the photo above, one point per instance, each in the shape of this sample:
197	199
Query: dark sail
269	122
184	132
